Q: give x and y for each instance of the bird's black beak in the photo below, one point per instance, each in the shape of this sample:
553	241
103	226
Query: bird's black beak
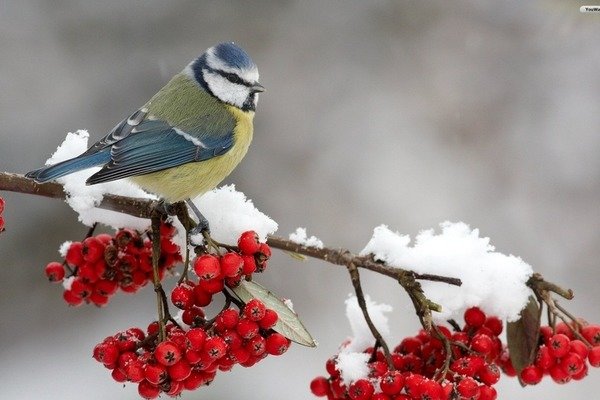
258	88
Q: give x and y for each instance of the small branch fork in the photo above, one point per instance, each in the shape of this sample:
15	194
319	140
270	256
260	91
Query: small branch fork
543	291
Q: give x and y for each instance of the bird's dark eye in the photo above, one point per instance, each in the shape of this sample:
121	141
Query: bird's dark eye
233	78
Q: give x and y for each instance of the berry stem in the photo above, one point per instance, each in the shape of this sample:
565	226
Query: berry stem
355	278
90	231
440	374
156	217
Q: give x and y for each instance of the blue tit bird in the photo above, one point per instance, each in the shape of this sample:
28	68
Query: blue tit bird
187	138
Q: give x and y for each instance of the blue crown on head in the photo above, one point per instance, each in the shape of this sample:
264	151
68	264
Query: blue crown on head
233	55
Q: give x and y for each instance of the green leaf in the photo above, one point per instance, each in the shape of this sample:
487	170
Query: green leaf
288	324
523	334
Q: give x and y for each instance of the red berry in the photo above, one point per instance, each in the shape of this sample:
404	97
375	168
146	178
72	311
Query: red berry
175	389
194	381
564	329
182	296
2	204
2	223
494	324
487	393
106	287
474	317
489	374
581	374
155	373
231	264
531	375
118	375
195	338
212	286
361	389
430	390
277	344
482	344
74	254
233	339
577	346
71	298
248	243
167	353
544	359
320	386
55	272
134	371
192	316
227	319
331	368
594	357
247	328
168	247
558	345
391	382
409	345
180	370
257	345
468	388
255	310
249	265
572	363
93	249
240	355
412	383
592	334
207	267
467	365
202	298
409	363
558	375
269	320
215	348
148	390
106	353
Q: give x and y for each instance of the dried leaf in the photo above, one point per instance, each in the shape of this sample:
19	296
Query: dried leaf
296	256
288	324
523	335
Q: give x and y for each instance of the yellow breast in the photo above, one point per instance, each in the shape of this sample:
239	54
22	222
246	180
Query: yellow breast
195	178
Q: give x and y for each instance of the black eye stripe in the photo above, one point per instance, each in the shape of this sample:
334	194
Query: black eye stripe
233	78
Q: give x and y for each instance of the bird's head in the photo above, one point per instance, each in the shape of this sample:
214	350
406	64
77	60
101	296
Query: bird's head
227	72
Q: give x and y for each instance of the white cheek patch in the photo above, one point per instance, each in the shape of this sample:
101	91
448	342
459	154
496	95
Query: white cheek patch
226	91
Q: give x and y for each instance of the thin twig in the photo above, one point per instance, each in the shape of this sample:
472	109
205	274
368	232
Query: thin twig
355	278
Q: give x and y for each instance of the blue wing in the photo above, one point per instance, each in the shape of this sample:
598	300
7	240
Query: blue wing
154	145
140	145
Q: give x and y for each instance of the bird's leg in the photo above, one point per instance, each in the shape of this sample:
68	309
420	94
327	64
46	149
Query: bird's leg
203	225
202	228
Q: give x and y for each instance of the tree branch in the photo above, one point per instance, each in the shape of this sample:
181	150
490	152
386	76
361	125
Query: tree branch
143	208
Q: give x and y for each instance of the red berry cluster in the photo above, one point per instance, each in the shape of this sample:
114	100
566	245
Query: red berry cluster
2	203
561	355
418	361
102	264
190	358
217	271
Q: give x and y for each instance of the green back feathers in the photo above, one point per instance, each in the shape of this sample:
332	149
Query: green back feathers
184	104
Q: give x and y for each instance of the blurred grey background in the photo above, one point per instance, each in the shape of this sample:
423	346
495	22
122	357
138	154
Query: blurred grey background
399	112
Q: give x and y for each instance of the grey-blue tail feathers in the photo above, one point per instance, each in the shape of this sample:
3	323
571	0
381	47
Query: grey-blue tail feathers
67	167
